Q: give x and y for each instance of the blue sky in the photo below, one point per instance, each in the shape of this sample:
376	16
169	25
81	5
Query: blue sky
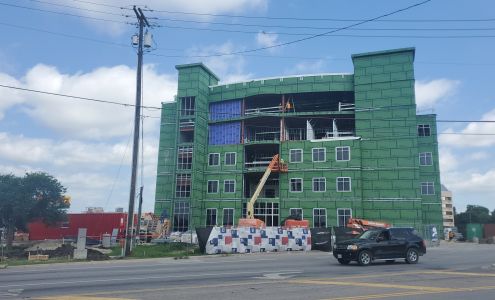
65	47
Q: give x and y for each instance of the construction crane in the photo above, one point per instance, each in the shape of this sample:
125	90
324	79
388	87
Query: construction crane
276	165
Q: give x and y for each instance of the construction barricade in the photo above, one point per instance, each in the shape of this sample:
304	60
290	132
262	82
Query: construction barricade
251	239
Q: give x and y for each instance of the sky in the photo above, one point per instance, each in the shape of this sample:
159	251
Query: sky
83	48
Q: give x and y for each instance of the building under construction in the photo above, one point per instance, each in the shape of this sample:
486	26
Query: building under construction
353	143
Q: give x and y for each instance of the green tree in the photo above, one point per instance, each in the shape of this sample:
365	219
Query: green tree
35	196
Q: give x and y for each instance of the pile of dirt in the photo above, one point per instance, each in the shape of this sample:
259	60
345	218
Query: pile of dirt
96	255
16	252
62	251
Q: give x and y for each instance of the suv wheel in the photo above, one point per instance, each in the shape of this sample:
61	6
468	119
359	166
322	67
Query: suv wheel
412	256
364	258
344	261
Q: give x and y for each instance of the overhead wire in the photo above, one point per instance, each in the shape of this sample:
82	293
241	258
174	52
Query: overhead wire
317	19
327	32
207	111
62	13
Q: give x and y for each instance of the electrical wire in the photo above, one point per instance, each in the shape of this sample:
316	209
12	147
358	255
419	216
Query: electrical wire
78	97
324	33
318	19
64	35
62	13
305	117
77	8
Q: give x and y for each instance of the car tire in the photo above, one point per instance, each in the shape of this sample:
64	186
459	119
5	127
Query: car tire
390	261
364	258
412	256
343	261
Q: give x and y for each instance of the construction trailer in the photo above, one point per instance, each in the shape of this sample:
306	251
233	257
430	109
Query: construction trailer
354	145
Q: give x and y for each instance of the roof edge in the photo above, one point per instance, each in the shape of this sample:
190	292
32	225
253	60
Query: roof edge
201	65
384	52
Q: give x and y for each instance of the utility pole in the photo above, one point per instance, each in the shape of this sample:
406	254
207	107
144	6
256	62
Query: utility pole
135	149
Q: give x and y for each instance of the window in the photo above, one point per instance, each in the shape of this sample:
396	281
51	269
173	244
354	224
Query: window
343	184
228	217
183	186
181	216
295	155
187	106
230	158
211	216
425	159
343	153
229	186
424	130
296	184
264	211
343	216
319	217
296	212
212	186
214	159
184	158
427	188
319	154
319	184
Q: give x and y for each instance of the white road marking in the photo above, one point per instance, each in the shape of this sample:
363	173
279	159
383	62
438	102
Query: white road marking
58	282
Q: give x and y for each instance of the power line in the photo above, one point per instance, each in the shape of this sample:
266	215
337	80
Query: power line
328	34
62	13
77	8
63	34
319	19
324	33
77	97
177	109
104	5
315	28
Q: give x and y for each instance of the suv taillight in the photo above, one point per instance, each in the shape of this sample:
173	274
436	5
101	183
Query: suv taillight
424	243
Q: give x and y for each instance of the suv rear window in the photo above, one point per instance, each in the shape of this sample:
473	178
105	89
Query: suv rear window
403	232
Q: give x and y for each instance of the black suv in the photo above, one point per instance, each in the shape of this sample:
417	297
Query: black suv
384	244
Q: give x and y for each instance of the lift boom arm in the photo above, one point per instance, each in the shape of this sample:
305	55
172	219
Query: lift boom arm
271	167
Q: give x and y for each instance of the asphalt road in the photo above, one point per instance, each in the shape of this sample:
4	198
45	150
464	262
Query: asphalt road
451	271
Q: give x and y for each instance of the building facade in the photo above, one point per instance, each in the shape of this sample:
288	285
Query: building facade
447	208
354	145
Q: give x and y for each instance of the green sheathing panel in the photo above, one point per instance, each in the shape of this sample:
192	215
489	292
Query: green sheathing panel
384	166
330	169
283	85
432	204
194	80
165	179
386	122
220	173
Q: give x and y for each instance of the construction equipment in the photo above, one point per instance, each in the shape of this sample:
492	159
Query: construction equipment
361	225
276	165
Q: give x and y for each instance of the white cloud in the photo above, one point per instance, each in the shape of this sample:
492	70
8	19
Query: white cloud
87	119
307	67
473	135
229	68
448	161
267	39
429	93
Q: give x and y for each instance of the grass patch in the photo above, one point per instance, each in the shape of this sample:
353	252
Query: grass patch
176	250
23	262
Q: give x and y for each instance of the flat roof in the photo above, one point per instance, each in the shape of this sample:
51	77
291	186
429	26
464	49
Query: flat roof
375	53
283	77
201	65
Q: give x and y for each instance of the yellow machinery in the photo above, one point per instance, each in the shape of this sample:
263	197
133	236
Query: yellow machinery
276	165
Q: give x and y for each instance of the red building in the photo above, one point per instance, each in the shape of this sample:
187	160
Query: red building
96	224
